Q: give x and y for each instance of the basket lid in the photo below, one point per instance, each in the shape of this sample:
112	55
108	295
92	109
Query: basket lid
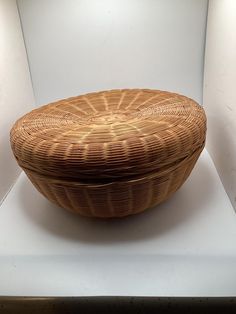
109	134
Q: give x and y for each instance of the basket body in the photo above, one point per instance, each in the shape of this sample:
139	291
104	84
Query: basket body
113	153
116	199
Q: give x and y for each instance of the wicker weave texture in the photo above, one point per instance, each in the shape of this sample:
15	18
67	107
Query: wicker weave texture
111	153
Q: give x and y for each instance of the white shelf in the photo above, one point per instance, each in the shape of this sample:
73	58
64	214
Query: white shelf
184	247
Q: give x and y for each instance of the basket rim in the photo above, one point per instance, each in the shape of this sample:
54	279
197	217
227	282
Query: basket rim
125	180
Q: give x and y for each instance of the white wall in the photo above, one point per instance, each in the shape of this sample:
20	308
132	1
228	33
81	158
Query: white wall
76	46
16	96
220	90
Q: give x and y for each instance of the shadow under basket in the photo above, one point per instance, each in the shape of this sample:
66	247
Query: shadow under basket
113	153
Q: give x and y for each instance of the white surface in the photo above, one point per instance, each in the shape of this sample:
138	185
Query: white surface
87	45
16	96
184	247
219	90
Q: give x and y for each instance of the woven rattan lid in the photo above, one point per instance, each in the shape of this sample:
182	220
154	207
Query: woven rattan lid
110	134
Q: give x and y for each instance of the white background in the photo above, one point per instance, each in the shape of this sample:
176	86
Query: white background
78	46
219	91
87	45
16	95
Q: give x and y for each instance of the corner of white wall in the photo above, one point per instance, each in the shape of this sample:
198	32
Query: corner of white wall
219	97
16	93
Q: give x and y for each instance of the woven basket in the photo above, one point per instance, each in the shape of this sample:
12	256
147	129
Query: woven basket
112	153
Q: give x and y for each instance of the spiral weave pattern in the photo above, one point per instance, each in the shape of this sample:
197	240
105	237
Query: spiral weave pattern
111	153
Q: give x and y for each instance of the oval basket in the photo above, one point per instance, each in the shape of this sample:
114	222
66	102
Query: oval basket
112	153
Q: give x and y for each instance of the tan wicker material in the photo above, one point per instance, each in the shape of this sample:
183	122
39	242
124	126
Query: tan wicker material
112	153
